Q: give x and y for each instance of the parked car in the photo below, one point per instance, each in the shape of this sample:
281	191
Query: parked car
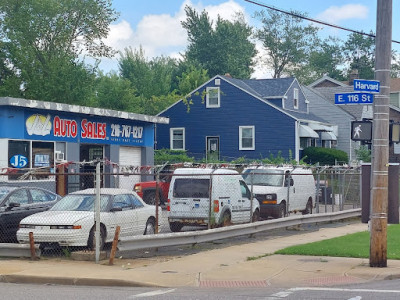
17	203
189	199
70	222
281	189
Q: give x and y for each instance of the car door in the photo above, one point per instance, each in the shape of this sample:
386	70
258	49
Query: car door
13	214
140	216
41	200
123	215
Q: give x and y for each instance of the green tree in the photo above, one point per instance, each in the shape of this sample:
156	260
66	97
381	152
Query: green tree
359	52
327	59
225	48
148	77
43	42
115	92
190	79
287	42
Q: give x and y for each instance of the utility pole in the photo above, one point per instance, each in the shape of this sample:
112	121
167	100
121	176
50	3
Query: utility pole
380	137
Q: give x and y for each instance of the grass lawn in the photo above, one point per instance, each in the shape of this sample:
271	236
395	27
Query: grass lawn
351	245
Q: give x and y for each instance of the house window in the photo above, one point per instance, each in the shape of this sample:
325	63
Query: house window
212	97
246	138
296	98
177	138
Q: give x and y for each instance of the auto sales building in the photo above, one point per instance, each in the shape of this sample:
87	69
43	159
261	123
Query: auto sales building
37	135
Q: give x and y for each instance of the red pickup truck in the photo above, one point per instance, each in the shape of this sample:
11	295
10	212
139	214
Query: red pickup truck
147	190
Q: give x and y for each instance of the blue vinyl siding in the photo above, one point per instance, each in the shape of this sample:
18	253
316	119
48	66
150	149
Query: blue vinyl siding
274	130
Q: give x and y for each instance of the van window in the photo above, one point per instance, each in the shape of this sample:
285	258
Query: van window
267	177
245	190
191	188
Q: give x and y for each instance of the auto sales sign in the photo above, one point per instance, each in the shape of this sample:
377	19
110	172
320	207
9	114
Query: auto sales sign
59	127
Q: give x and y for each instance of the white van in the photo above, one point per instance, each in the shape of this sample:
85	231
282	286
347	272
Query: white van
193	189
281	189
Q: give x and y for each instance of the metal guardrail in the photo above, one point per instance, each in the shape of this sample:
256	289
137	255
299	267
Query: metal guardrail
17	250
194	237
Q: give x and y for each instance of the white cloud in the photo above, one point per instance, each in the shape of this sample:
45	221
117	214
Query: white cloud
335	14
163	34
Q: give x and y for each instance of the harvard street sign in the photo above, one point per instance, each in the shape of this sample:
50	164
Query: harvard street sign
370	86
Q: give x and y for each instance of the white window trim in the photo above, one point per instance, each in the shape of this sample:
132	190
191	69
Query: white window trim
253	147
208	105
171	137
296	98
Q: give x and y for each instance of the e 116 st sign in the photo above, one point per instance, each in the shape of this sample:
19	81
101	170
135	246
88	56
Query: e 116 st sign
354	98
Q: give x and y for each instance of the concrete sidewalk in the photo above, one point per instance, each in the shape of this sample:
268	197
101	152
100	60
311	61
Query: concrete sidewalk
225	267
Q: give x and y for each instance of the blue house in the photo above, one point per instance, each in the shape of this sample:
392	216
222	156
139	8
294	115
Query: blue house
227	118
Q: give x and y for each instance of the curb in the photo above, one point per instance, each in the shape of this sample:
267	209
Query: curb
28	279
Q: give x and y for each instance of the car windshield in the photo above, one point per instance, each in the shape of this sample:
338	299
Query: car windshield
80	202
4	190
267	177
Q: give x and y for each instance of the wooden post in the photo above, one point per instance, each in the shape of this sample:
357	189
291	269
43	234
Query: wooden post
114	246
380	137
32	246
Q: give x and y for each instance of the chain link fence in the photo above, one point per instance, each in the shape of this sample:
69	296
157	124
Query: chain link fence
137	200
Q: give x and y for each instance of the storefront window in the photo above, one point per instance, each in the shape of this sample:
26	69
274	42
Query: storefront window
23	155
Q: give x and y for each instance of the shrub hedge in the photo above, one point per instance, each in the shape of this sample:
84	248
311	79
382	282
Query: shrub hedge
324	156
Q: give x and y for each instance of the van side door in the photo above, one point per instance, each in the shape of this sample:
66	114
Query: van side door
245	214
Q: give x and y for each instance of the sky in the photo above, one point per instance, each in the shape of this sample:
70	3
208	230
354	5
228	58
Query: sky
155	25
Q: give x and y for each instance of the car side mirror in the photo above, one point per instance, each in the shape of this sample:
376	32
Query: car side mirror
13	205
289	181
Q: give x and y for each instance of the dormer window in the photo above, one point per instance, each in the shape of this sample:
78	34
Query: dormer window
296	98
212	97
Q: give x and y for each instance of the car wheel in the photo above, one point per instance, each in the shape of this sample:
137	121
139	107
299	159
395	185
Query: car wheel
175	226
150	227
256	216
282	210
226	219
150	198
308	209
92	239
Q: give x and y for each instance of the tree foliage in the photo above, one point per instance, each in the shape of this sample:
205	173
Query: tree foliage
287	42
359	51
42	41
148	77
220	49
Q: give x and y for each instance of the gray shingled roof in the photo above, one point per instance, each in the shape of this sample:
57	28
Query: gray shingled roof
264	88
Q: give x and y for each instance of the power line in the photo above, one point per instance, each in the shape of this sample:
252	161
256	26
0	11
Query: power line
314	20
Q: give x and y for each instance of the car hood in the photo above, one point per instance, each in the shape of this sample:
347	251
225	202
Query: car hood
57	217
262	190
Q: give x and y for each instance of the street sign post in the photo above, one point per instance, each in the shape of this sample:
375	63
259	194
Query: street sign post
354	98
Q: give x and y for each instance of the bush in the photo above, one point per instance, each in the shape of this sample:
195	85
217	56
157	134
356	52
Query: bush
171	156
324	156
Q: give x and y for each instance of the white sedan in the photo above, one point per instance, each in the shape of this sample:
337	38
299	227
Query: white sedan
70	222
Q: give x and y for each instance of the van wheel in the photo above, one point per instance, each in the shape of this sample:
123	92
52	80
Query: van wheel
175	226
226	219
256	216
308	209
150	198
281	210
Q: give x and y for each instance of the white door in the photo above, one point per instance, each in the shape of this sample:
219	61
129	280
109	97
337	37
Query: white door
246	203
124	215
129	162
